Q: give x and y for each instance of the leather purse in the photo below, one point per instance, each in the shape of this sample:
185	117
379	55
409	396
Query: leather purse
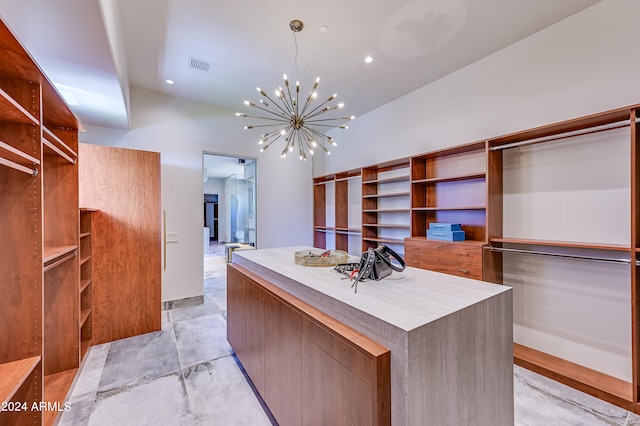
375	264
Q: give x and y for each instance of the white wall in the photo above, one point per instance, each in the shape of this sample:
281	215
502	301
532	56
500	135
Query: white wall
582	65
576	310
181	131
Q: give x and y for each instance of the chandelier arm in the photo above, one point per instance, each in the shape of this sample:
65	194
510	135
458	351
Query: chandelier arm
306	104
264	125
301	147
280	119
290	98
288	105
320	134
272	103
268	110
327	119
309	139
313	112
277	136
332	126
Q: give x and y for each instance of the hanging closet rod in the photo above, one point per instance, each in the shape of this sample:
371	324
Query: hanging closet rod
569	256
596	129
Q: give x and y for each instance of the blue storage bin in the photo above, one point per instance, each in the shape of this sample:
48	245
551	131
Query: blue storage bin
440	226
433	234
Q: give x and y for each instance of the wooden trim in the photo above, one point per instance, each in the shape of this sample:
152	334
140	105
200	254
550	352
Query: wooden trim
600	385
635	241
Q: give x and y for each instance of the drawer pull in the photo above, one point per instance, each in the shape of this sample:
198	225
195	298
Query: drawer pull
464	271
464	254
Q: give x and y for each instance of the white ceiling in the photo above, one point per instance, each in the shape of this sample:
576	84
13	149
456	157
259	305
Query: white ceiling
94	50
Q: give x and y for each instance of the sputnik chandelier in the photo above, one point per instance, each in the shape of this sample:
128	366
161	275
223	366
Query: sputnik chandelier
302	127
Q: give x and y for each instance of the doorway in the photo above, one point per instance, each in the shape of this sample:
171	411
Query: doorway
211	218
229	204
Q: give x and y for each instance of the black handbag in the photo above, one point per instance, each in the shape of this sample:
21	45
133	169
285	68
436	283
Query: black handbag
375	264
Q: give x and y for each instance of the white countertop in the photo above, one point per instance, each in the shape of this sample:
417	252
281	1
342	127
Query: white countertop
407	300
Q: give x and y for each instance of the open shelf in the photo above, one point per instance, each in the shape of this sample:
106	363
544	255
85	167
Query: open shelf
383	240
56	387
382	225
431	209
349	230
13	375
54	256
386	211
12	111
395	194
56	144
84	284
470	176
402	178
84	314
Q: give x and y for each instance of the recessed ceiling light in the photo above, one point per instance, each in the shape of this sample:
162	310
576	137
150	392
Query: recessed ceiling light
169	81
324	28
368	59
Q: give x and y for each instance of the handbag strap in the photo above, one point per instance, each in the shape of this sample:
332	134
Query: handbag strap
366	270
386	250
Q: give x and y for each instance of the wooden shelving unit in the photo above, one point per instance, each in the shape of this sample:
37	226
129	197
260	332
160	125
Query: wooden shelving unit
386	204
86	275
342	227
40	311
466	184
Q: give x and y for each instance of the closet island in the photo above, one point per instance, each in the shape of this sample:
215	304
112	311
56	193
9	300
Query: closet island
419	347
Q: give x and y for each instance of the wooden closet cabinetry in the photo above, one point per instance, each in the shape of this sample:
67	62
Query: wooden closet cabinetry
334	211
39	272
553	211
385	205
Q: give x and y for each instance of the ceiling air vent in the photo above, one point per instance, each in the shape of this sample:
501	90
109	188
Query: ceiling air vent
199	64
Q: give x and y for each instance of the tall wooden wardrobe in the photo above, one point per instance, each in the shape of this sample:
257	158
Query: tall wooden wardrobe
59	263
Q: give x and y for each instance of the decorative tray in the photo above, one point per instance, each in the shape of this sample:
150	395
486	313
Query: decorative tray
319	257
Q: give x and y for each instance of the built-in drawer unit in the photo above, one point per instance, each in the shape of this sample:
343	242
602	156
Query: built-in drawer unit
462	258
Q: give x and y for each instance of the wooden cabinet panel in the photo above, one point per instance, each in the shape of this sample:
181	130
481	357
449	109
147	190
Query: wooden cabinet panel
253	334
124	184
308	367
462	259
235	310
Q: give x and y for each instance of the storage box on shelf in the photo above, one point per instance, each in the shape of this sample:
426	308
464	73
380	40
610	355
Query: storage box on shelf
385	205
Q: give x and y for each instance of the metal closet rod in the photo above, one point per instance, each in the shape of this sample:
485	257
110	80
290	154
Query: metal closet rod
569	256
596	129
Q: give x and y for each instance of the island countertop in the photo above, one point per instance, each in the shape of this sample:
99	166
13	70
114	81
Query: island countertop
406	300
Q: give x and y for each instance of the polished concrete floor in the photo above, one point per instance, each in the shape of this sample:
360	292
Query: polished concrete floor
186	374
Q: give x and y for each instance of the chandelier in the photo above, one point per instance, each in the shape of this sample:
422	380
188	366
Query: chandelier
301	125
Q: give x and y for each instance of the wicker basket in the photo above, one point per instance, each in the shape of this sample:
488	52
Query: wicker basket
319	257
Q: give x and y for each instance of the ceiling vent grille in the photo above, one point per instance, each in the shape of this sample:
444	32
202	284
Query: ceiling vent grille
199	64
